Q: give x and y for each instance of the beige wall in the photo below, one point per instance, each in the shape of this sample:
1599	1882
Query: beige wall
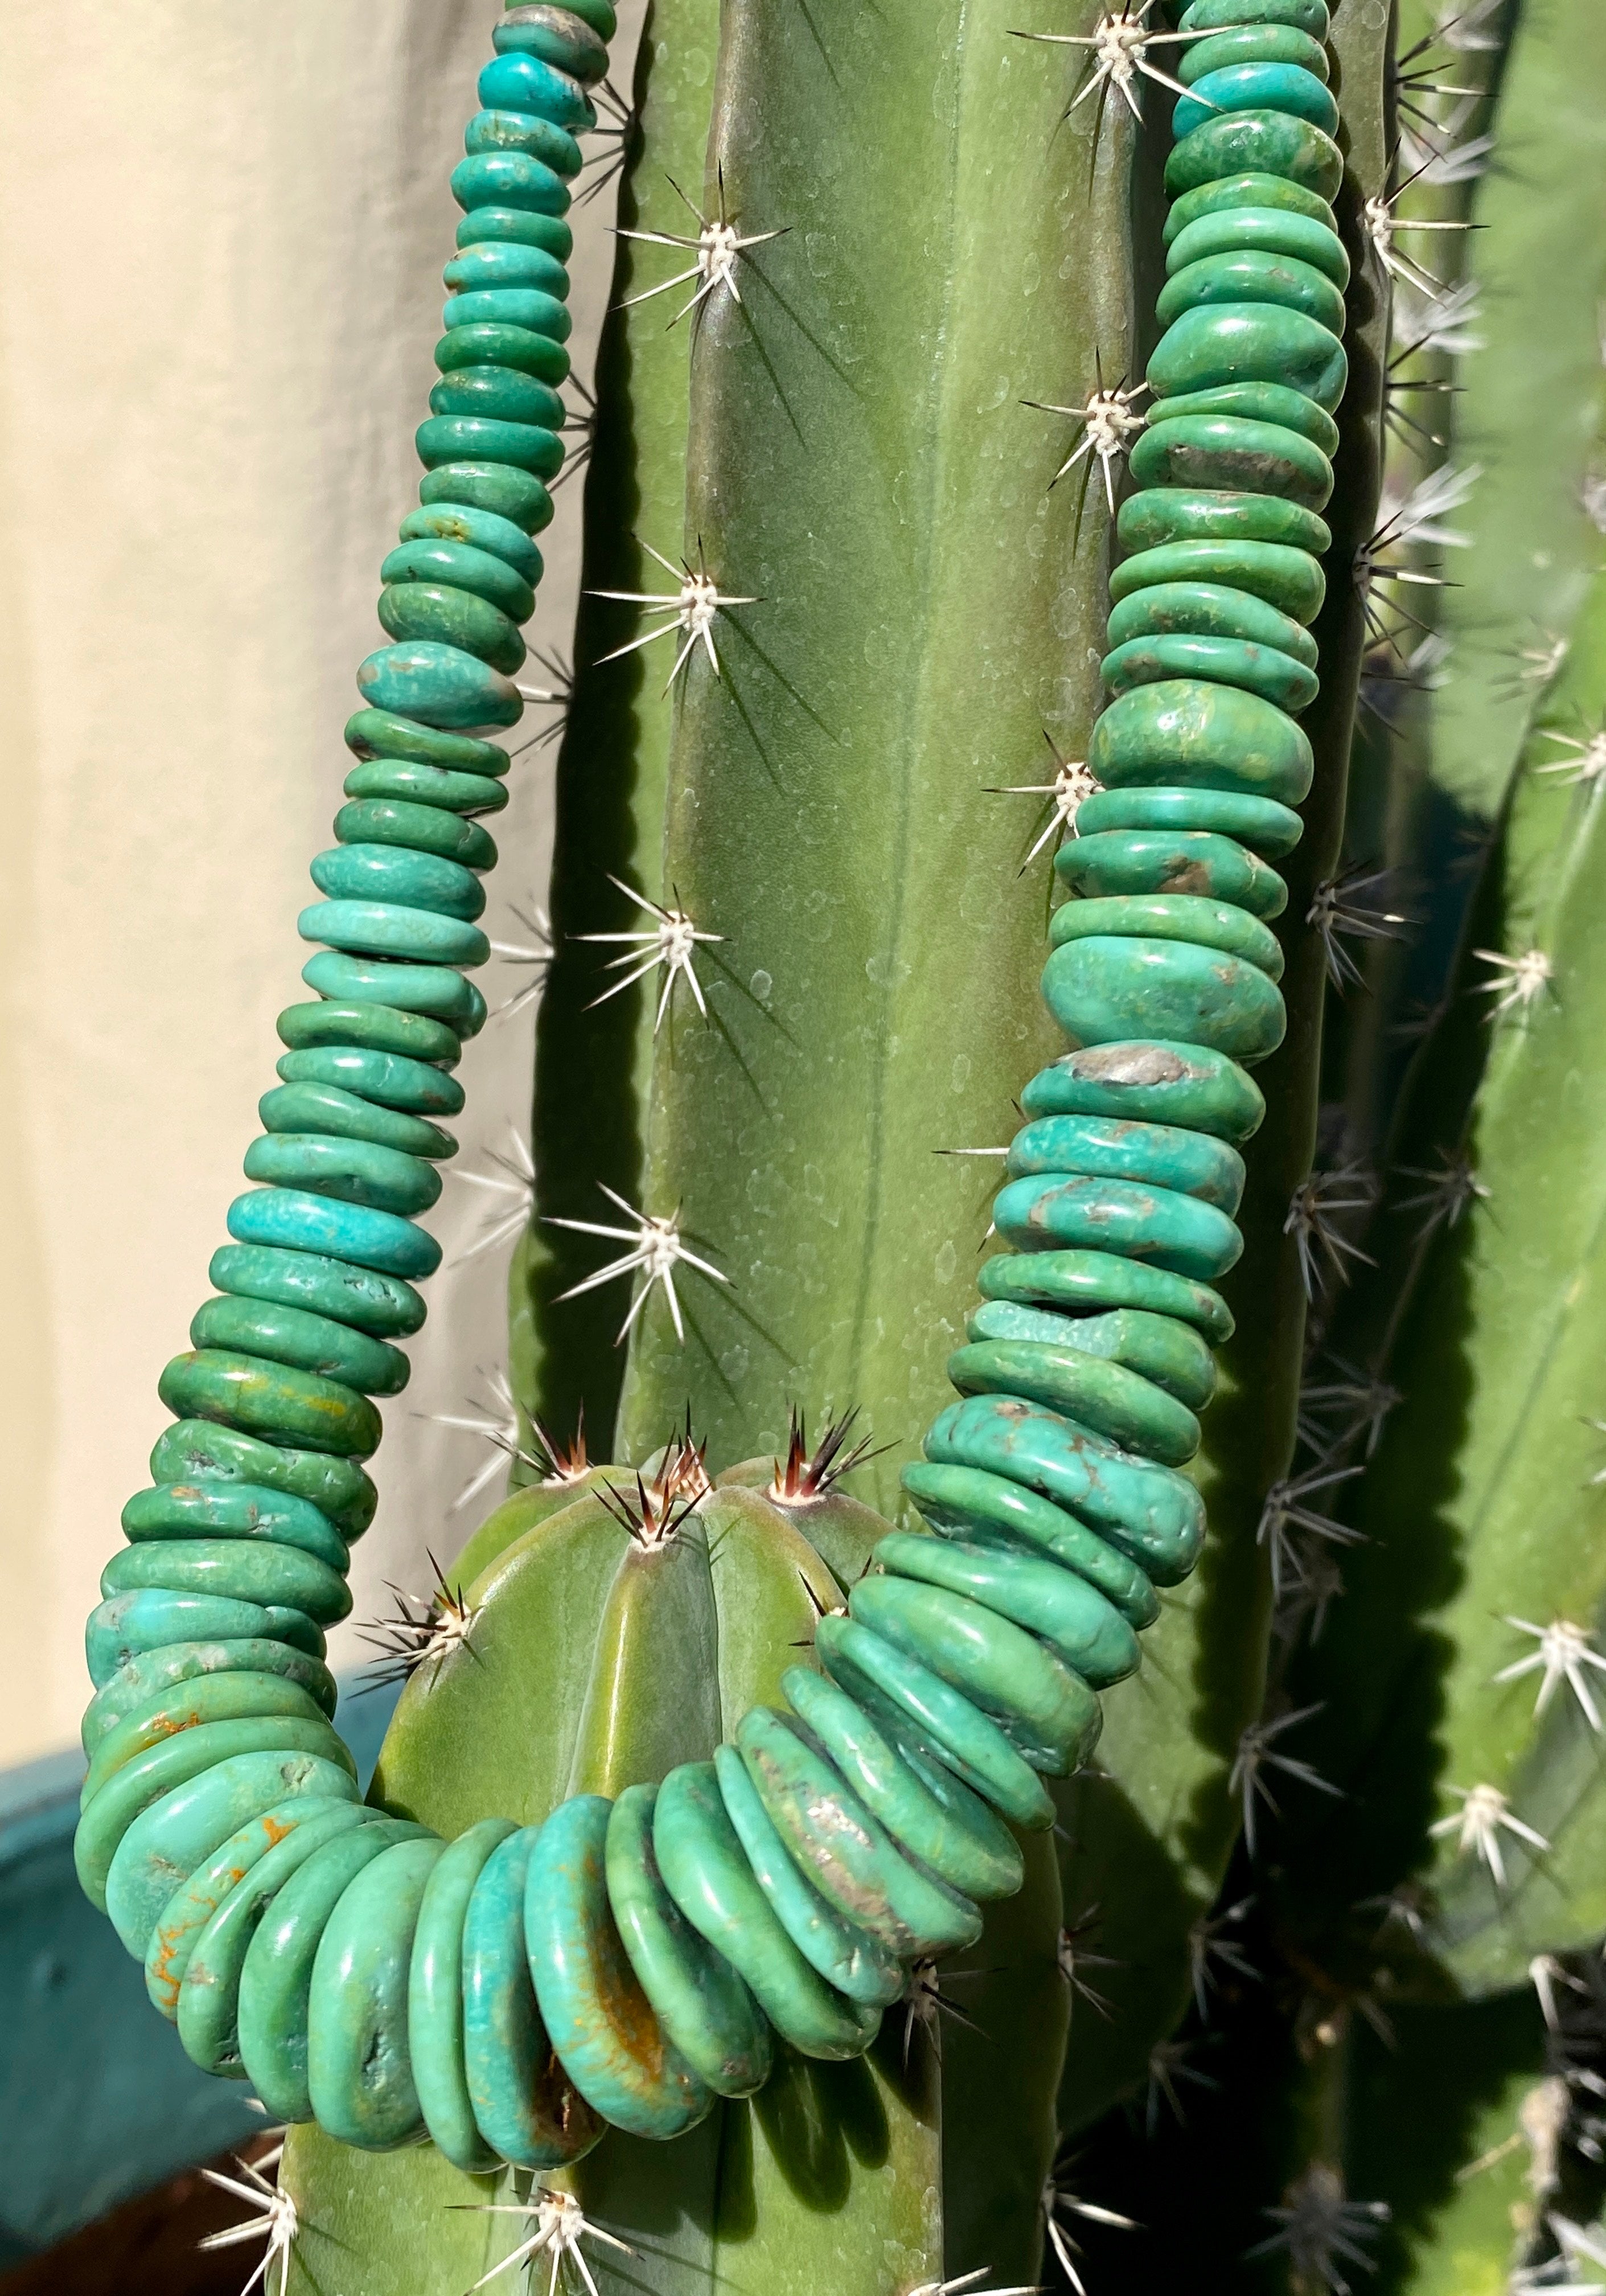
220	234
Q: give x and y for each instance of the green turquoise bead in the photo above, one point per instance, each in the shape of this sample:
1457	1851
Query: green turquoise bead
275	1980
1186	1085
353	872
559	36
169	1839
1274	676
435	1997
890	1683
387	1078
966	1503
458	526
528	307
269	1399
521	227
1086	1283
1045	1710
461	567
357	1171
1251	276
198	1451
505	263
432	611
1256	142
1170	1354
703	2006
1223	343
1244	193
190	1910
1060	1608
1151	1513
521	131
1310	16
524	2106
1258	88
957	1836
418	829
1168	513
500	396
1253	402
518	81
507	492
1115	1402
1140	1220
599	14
1181	861
243	1569
1260	823
154	1672
494	343
304	1340
509	179
1181	731
130	1625
1110	1148
847	1853
382	734
1271	231
370	1029
235	1511
294	1220
420	786
437	990
162	1718
1253	44
1170	917
844	1954
1208	610
359	2075
204	1970
600	2022
705	1871
439	683
456	438
1290	581
1102	991
336	1113
1223	453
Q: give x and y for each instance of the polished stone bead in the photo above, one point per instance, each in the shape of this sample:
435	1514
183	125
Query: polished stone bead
539	313
1291	581
464	528
1251	276
889	1682
382	734
1102	991
439	683
1057	1606
1256	142
559	37
385	1078
359	2076
354	1170
503	397
1048	1210
141	1674
431	613
1114	1148
703	2006
505	263
1253	44
966	1503
1085	1283
1223	662
330	1110
1253	402
249	1511
501	178
436	2001
263	1398
1160	515
1257	88
172	1709
700	1858
1238	194
1211	609
958	1837
523	132
244	1570
1153	1513
275	1980
197	1451
357	872
521	82
416	828
1186	1085
167	1841
599	2021
519	228
599	14
459	566
495	487
421	785
1272	231
1183	731
1260	823
1309	16
292	1219
204	1969
1217	452
378	1030
1173	861
1116	1402
1157	1347
302	1339
436	989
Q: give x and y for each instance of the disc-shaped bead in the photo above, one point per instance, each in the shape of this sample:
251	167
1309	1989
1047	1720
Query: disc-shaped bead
245	1570
1253	44
1057	1606
1271	231
1208	610
1170	917
1222	453
439	683
464	526
498	177
197	1451
1256	142
272	1399
559	37
384	733
505	263
1310	16
434	614
1274	676
372	1027
1178	861
355	871
523	132
1253	402
520	81
970	1504
1182	731
329	1108
1115	1402
354	1170
524	228
1113	1148
1139	1219
1102	991
517	495
1252	276
459	566
235	1511
386	1079
1258	88
1260	823
1186	1085
1157	1347
131	1625
294	1219
300	1337
529	307
156	1674
1086	1282
1219	343
435	1997
1235	194
1164	514
160	1720
1290	581
420	786
419	828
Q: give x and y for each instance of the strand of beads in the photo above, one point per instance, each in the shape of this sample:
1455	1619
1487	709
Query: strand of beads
515	1992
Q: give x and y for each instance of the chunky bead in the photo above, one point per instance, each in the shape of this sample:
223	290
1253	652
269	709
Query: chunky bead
439	683
1083	1629
1219	343
1160	515
517	495
296	1221
1209	610
1234	195
1161	1348
463	527
524	132
521	82
395	873
1256	142
559	37
1185	1084
1050	1210
385	1078
506	306
357	1297
131	1626
436	2000
1274	676
1222	452
1178	861
383	1030
507	263
159	1673
1271	231
359	2077
246	1570
531	447
1253	402
417	829
970	1504
235	1511
1113	1148
353	1170
1253	44
1102	991
1182	731
1257	88
1309	16
307	1341
1291	581
1252	276
459	793
330	1109
199	1451
1106	1397
458	566
271	1399
433	613
509	179
435	990
519	228
1085	1284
